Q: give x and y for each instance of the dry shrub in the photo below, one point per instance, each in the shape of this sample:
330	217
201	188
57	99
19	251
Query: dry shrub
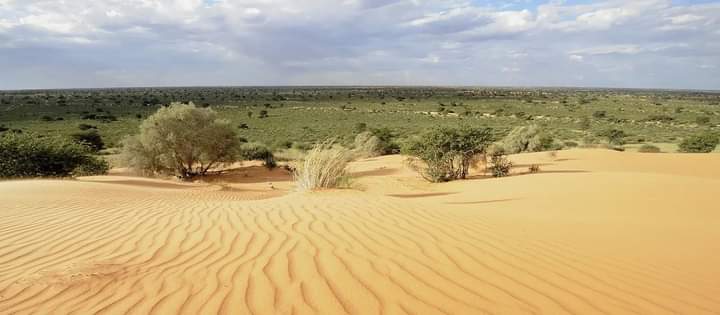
367	145
649	148
325	166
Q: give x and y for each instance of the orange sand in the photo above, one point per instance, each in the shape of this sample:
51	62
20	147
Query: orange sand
594	232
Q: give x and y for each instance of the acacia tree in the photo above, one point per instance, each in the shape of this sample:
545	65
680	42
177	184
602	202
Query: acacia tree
183	139
447	153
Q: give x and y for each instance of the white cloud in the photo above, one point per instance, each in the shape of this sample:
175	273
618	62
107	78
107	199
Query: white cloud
369	41
577	58
607	50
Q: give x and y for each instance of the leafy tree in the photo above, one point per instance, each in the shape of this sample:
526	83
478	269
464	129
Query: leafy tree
183	139
447	153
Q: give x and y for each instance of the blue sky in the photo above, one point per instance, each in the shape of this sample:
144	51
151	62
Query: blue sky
612	43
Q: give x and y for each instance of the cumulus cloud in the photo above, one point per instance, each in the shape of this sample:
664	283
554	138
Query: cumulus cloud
96	43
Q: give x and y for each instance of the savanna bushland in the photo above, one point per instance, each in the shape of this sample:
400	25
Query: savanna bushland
283	117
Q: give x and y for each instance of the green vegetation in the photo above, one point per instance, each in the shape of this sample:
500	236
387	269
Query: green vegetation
24	155
703	143
527	139
445	154
182	139
90	138
255	151
308	115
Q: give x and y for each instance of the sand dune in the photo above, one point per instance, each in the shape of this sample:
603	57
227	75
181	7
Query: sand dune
596	232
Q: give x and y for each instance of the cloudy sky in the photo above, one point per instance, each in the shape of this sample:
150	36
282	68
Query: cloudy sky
609	43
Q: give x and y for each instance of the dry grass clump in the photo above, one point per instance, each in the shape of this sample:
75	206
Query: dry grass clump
325	166
367	145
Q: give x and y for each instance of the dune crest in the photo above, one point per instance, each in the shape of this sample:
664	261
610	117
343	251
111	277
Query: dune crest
594	232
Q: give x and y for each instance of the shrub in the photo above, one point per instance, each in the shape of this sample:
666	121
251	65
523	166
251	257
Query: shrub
599	114
585	123
28	155
570	144
702	120
367	145
499	165
447	153
527	139
325	166
183	139
254	151
360	127
649	148
534	168
86	127
90	138
386	141
613	136
704	143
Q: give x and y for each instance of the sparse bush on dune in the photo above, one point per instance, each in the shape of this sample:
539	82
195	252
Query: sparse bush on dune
648	148
704	143
445	154
613	136
183	139
29	155
386	141
499	165
367	145
528	139
325	166
254	151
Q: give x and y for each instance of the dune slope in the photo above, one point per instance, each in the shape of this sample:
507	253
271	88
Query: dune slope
595	232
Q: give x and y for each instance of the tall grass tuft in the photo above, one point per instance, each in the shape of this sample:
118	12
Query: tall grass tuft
325	166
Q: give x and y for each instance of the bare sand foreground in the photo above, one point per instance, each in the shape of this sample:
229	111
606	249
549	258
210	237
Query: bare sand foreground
595	232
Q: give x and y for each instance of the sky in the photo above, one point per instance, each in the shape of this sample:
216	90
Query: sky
128	43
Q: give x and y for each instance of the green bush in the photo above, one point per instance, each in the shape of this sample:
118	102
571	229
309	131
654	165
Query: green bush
254	151
702	120
447	153
183	139
649	148
387	143
704	143
29	155
90	138
613	136
528	139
